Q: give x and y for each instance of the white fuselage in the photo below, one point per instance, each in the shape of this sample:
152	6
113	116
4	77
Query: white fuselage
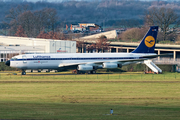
54	61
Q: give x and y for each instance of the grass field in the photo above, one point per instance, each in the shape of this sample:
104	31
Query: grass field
130	95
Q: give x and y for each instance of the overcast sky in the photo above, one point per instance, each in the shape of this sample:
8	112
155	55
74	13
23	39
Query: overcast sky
42	0
78	0
72	0
82	0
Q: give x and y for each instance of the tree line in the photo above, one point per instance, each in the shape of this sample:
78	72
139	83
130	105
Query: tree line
46	20
105	12
32	22
167	20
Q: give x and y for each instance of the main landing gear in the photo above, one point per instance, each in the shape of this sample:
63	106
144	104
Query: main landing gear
23	72
84	72
92	72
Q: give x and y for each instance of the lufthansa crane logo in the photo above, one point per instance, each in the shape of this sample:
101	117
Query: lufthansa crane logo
149	41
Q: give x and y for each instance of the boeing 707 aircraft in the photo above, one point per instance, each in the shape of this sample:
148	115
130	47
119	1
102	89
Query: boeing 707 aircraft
87	61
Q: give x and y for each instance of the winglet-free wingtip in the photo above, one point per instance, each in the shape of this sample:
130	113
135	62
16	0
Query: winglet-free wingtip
147	44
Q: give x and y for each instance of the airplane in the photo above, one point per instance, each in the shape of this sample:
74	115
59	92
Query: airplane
87	61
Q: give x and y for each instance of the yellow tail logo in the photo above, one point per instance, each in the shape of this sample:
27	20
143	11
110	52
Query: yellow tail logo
149	41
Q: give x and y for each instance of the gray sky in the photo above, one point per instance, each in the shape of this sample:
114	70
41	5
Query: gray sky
76	0
62	0
39	0
81	0
50	0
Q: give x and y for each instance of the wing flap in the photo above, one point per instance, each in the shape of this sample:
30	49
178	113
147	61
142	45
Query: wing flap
74	64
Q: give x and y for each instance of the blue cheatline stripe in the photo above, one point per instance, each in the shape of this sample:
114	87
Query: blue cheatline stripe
99	58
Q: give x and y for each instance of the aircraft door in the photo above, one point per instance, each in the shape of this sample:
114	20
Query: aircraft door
24	59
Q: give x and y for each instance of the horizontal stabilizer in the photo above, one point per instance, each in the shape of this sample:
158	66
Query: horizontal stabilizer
154	56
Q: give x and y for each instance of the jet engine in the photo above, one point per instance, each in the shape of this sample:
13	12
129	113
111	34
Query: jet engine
85	67
111	65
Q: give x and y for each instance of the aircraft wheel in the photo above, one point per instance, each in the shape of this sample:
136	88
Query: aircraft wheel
23	73
78	72
93	72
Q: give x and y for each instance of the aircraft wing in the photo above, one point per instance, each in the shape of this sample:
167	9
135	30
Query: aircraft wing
142	58
98	62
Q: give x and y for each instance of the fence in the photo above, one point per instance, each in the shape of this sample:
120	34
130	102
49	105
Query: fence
90	77
166	61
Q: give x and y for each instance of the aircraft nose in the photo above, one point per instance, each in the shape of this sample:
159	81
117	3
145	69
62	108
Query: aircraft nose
8	63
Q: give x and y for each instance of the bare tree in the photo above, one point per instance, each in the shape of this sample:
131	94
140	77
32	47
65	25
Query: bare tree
13	16
33	22
80	45
163	17
45	19
26	20
51	35
51	18
20	32
102	44
14	12
133	34
40	18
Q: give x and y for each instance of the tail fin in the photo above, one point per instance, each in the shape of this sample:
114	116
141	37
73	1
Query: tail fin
147	45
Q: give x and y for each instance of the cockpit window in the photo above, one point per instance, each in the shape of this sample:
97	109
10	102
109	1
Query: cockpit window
13	58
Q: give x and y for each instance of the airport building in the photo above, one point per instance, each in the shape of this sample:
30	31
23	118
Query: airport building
11	46
85	27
